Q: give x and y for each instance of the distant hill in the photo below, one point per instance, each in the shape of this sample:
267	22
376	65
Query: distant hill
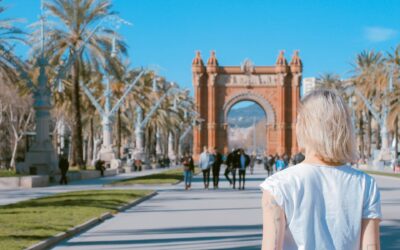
243	117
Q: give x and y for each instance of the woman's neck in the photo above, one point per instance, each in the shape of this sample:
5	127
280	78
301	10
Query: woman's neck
311	158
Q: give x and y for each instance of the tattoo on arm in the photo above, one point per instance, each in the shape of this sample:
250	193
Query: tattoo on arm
273	206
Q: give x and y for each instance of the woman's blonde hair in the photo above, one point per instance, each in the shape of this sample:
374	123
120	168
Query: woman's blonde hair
324	126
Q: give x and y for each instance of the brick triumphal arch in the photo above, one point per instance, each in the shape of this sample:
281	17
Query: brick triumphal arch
275	88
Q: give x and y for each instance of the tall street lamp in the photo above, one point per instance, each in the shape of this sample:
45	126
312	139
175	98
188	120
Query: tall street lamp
141	122
41	157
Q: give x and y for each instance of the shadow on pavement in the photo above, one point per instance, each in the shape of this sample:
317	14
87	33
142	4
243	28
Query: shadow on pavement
189	240
390	235
186	230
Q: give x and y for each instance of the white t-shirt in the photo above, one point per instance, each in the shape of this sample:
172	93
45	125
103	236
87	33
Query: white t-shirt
324	205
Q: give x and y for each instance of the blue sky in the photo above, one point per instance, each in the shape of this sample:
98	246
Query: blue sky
167	32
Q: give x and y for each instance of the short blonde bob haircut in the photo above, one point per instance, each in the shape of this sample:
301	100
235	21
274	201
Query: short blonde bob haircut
324	127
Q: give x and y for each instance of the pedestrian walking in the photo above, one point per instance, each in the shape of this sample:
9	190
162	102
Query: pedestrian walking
322	203
235	163
244	163
265	161
228	169
188	170
204	164
298	158
268	162
138	164
252	162
63	165
216	167
279	164
211	161
286	159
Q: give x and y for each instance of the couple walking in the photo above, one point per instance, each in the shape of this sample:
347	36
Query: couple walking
237	159
210	160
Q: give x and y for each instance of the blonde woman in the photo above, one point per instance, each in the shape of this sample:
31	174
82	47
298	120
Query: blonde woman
322	203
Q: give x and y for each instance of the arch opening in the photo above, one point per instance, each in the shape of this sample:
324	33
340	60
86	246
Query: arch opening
246	126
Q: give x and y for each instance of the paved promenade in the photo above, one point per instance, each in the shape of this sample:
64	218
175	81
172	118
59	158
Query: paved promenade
390	197
208	219
178	219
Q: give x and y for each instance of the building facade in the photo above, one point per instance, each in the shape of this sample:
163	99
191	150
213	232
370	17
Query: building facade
309	84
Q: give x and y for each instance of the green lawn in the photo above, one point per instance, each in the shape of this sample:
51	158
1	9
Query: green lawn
8	173
383	173
171	176
26	223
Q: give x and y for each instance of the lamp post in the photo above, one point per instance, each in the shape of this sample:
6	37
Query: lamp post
41	157
107	114
254	135
141	122
195	122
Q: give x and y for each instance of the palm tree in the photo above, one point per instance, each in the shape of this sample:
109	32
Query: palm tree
9	35
13	102
75	21
330	81
394	96
370	81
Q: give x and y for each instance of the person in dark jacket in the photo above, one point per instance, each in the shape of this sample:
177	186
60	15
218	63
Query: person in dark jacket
63	165
100	166
233	164
167	162
216	167
268	163
228	169
244	161
298	158
286	159
253	159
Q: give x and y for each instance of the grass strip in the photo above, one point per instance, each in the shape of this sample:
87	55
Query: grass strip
383	173
170	176
8	173
28	222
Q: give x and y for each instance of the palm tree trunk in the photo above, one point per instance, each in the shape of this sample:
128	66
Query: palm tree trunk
369	133
361	135
91	138
14	154
119	134
76	119
396	136
377	137
153	142
146	140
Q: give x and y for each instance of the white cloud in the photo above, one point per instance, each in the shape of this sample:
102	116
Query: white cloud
379	34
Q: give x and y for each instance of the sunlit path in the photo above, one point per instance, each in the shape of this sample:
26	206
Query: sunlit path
178	219
208	219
